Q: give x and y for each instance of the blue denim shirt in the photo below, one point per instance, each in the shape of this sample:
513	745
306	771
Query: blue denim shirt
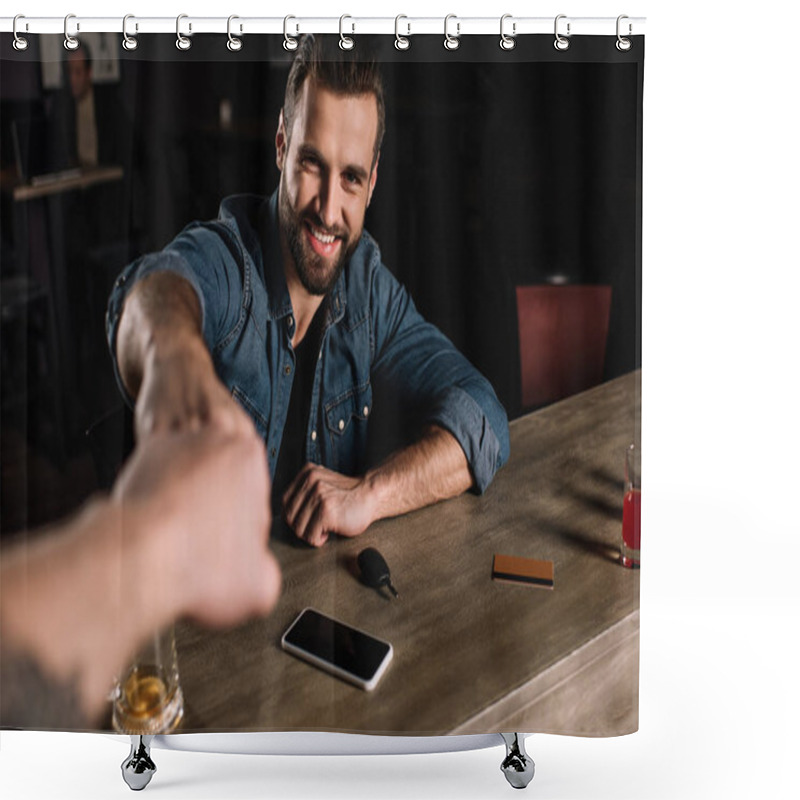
373	331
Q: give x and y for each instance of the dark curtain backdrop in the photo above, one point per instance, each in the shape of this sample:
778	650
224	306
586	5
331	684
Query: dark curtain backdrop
497	169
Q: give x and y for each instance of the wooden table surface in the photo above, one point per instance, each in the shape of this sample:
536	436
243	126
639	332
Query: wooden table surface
471	655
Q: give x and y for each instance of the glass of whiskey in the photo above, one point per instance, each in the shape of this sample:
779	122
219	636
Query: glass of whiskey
147	698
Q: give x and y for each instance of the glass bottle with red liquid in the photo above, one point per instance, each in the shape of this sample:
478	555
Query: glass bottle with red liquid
632	509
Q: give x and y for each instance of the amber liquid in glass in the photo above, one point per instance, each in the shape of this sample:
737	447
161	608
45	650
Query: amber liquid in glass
147	702
145	692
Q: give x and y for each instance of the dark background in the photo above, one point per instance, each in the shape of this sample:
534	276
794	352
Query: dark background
497	169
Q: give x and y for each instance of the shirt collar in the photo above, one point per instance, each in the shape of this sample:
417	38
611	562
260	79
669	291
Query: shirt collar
280	303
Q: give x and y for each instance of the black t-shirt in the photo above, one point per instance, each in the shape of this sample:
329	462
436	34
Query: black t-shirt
292	453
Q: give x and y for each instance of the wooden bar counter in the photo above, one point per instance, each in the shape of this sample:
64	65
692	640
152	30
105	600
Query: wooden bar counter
471	655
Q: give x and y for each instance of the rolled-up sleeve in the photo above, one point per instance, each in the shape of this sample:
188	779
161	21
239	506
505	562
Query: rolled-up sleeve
421	361
201	255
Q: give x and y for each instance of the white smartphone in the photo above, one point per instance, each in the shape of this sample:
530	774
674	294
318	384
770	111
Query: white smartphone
346	652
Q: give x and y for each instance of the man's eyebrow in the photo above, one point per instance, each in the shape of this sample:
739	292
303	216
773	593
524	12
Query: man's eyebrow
307	150
359	172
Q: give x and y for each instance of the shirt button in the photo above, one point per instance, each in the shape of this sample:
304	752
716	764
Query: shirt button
341	424
287	370
120	281
366	411
272	452
313	436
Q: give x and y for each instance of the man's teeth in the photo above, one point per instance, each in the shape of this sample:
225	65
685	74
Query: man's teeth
323	237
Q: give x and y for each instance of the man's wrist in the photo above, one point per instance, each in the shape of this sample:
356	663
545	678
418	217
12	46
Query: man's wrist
148	566
378	490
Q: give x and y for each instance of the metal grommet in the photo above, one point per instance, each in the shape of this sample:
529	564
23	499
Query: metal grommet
507	42
401	42
623	44
70	42
129	42
561	42
345	42
451	42
20	43
234	43
288	42
182	42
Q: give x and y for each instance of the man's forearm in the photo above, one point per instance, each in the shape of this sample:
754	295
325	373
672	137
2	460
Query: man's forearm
165	364
162	311
183	534
432	469
62	601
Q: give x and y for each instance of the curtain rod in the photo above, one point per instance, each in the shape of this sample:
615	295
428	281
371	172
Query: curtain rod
188	25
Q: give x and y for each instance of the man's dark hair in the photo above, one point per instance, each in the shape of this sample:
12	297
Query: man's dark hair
320	60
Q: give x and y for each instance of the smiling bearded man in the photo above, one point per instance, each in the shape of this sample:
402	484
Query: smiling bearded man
290	296
322	223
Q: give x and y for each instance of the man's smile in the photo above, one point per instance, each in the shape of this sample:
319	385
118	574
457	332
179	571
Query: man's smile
324	244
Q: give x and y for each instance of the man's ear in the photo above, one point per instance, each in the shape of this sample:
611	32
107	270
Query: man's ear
373	178
281	143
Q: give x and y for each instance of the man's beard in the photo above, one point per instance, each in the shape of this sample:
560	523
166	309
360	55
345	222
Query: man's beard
317	275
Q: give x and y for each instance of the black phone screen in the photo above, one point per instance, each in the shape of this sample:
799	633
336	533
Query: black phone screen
337	643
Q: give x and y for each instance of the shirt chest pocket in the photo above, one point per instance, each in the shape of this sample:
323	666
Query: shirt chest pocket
346	423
